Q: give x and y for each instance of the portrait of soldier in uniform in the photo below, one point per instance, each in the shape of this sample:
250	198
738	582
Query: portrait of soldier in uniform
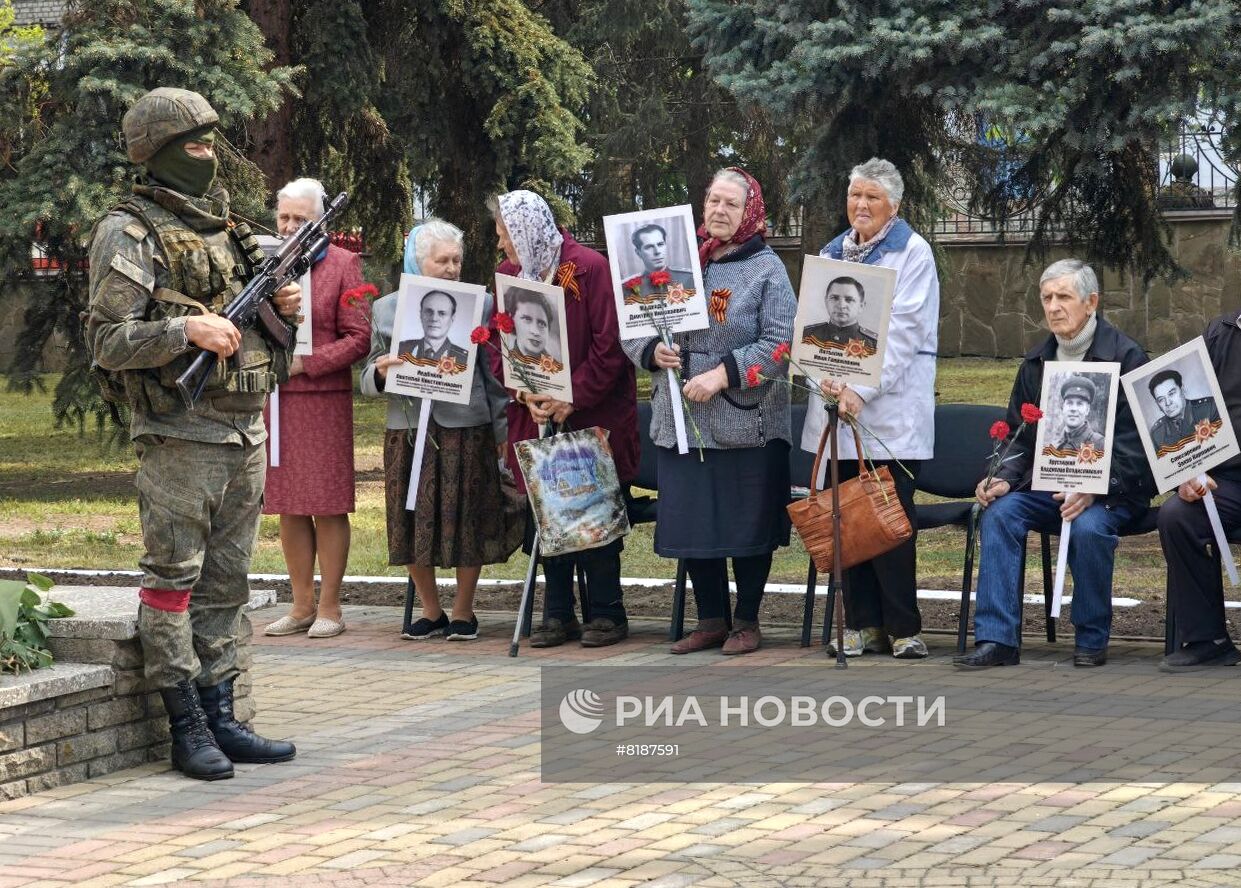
650	242
845	298
1181	415
437	311
1078	395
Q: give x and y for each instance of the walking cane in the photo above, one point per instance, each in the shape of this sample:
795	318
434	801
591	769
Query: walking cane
835	588
527	591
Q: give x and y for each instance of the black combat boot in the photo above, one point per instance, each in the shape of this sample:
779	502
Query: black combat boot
238	742
194	751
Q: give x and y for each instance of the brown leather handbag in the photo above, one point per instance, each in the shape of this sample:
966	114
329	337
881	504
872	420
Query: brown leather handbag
872	519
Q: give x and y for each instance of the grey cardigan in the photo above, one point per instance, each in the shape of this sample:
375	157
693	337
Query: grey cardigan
487	397
759	316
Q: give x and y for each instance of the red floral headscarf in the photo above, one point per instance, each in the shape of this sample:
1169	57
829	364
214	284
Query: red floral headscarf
753	220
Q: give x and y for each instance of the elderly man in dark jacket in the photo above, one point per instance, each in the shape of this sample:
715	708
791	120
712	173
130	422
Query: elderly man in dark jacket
1195	588
1070	295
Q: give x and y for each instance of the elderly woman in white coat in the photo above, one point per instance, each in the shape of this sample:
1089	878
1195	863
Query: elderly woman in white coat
881	606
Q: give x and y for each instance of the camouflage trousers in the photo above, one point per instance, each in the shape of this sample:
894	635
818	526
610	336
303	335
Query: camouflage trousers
199	506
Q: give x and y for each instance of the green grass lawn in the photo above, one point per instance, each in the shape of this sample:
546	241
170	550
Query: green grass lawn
67	501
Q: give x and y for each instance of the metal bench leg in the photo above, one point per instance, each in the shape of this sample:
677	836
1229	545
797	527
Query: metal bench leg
409	605
1048	585
967	581
807	619
677	628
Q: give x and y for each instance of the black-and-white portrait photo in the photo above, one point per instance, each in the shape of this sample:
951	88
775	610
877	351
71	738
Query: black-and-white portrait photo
1179	411
843	309
536	354
1179	399
434	319
846	317
656	273
1077	412
428	334
536	323
1074	437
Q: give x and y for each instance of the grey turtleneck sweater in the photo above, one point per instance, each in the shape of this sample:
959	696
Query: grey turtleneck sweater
1075	349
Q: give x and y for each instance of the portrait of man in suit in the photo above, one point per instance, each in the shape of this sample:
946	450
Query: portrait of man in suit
436	312
1180	414
844	299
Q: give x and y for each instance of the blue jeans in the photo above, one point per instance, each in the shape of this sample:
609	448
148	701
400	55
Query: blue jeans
1092	551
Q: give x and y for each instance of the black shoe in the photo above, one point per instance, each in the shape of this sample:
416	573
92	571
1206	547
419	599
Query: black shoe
195	751
987	654
237	741
1200	655
462	630
555	632
604	631
1087	657
424	628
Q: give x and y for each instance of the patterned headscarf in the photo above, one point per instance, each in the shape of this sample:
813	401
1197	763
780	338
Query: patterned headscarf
532	229
753	220
411	253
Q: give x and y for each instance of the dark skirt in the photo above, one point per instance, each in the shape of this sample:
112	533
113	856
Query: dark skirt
467	513
731	504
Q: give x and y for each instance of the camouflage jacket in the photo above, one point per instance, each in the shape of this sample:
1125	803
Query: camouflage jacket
155	261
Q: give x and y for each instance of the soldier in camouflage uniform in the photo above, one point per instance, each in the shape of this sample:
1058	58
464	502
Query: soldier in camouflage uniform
162	264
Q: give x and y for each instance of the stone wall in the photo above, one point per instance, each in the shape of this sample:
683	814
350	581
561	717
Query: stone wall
91	712
989	299
990	306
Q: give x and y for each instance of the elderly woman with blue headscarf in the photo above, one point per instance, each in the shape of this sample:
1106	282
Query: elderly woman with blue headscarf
467	513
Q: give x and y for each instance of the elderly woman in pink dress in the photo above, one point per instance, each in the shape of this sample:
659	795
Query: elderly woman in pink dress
312	488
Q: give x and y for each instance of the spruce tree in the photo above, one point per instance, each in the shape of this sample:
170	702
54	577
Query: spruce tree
1086	88
70	166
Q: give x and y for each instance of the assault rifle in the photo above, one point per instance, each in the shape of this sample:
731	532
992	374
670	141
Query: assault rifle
253	304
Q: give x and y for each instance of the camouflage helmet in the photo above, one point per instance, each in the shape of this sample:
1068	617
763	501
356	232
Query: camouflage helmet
162	115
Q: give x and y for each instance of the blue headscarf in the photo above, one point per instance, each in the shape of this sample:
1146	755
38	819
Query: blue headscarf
411	258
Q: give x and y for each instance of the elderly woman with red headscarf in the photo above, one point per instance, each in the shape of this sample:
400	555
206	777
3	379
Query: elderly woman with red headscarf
604	394
726	498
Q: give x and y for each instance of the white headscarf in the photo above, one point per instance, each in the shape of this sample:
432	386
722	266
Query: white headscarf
532	229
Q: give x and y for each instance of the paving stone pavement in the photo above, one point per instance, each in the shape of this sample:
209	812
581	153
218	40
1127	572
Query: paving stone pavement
418	764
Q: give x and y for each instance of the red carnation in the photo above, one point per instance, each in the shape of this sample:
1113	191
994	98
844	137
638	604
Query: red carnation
1030	413
1000	430
479	335
504	322
781	352
364	293
660	278
634	283
751	375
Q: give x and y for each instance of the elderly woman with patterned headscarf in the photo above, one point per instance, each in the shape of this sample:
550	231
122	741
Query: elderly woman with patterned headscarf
727	496
604	394
881	604
467	514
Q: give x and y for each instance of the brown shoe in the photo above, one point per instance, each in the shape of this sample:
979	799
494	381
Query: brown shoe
554	633
603	631
705	637
744	639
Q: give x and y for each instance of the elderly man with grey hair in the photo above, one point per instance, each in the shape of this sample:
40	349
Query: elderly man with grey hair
1069	292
